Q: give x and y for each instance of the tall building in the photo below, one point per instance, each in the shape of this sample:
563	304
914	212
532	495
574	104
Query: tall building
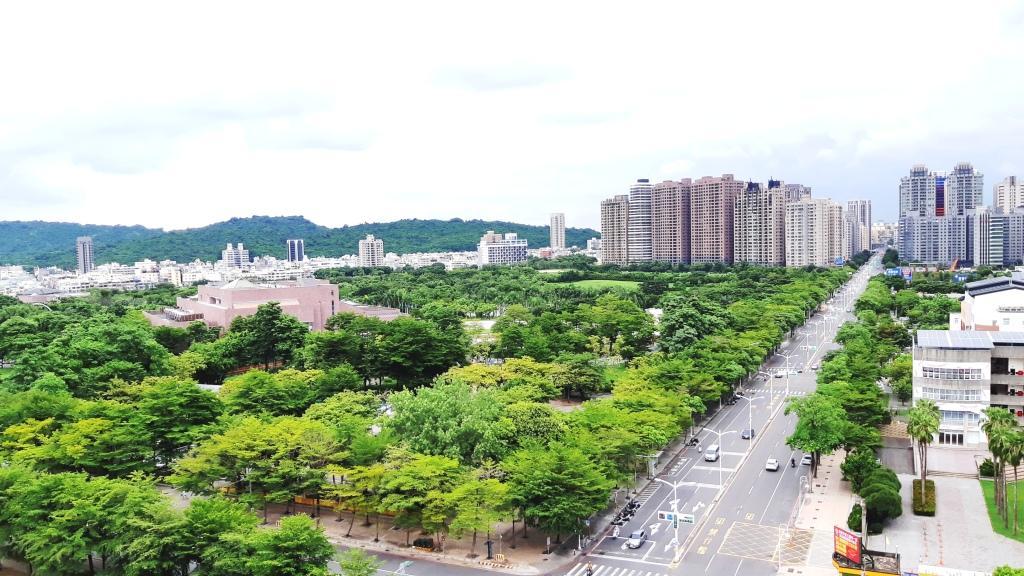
501	249
859	214
371	252
615	230
935	239
883	234
964	188
670	221
296	250
640	240
84	253
711	218
793	192
814	232
922	192
998	238
557	231
759	225
234	257
1008	195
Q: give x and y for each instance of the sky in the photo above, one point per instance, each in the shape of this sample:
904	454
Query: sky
182	114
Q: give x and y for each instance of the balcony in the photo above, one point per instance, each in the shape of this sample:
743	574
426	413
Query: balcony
1006	399
1003	378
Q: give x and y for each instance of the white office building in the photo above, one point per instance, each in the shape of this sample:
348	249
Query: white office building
640	239
233	257
1008	195
371	252
84	254
295	250
501	249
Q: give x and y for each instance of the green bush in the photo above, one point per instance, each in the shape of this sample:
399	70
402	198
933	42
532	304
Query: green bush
854	519
858	466
926	508
987	468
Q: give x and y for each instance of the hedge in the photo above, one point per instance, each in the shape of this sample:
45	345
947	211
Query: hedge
926	508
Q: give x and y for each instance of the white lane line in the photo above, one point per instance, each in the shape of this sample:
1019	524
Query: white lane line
714	468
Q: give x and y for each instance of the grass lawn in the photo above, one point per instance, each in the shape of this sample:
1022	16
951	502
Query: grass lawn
988	488
625	285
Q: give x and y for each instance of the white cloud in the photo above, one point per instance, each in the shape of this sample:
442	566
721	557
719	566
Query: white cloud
117	112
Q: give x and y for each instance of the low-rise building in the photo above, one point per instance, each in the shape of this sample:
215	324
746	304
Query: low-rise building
311	301
502	249
966	371
992	304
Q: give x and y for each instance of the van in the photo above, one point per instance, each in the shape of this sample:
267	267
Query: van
711	454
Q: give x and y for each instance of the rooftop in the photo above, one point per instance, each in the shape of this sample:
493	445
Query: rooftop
989	285
967	339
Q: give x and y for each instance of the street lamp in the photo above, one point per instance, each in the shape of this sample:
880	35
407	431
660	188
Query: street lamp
720	434
787	357
750	412
675	505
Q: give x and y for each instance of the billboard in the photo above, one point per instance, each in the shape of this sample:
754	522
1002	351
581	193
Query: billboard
847	544
892	272
908	273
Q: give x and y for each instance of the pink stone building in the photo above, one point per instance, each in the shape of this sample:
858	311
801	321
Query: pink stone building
311	301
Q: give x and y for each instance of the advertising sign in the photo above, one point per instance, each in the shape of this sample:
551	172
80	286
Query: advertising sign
908	274
892	271
847	545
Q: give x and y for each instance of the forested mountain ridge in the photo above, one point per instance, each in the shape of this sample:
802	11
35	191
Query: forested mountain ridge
39	243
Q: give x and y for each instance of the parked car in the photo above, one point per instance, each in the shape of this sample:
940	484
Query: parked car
636	539
806	460
772	465
747	433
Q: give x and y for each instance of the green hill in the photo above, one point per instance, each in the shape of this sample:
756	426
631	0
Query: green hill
53	243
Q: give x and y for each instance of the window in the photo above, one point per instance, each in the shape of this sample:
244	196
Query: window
952	394
951	373
957	418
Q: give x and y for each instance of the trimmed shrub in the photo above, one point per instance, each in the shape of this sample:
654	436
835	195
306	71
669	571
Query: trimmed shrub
858	466
854	519
987	469
927	507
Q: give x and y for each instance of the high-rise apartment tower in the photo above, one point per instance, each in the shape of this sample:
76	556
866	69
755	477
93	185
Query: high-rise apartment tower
557	231
84	253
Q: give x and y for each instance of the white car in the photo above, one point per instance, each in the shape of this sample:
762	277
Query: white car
772	465
806	460
636	539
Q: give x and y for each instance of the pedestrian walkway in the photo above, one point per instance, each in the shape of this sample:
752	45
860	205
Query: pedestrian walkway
600	570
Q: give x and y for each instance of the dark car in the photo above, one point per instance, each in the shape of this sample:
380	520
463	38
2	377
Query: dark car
747	434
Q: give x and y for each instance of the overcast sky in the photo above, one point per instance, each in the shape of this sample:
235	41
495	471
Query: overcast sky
349	112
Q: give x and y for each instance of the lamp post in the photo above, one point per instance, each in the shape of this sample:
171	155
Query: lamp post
787	357
675	505
720	434
750	413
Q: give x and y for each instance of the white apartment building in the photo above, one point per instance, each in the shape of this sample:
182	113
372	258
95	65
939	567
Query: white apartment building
965	372
1008	195
615	230
640	240
234	257
920	191
501	249
858	212
935	239
814	232
759	226
965	188
557	240
371	252
793	192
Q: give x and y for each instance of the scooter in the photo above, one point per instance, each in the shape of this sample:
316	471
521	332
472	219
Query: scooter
792	462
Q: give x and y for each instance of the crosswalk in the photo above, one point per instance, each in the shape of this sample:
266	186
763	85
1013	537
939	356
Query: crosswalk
778	391
598	570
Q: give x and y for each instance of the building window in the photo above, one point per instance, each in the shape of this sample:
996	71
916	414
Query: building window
951	373
953	394
958	418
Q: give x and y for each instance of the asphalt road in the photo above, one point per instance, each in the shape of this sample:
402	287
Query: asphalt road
737	505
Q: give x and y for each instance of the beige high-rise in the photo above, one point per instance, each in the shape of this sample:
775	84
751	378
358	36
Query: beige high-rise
670	221
1008	195
814	232
557	235
615	230
759	226
711	218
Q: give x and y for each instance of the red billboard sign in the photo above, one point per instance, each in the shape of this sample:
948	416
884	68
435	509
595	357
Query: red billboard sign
847	545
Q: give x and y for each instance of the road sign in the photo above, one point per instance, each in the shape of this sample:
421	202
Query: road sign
686	518
666	515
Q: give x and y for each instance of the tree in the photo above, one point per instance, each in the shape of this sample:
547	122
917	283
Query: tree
479	504
175	412
414	483
1014	453
448	419
296	548
857	466
819	428
206	521
997	426
922	425
355	562
558	486
269	335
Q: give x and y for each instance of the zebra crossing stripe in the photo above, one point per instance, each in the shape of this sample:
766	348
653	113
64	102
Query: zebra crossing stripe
599	570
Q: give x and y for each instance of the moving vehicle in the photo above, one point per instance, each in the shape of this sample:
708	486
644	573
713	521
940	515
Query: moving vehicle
806	460
747	433
778	374
636	539
712	453
772	465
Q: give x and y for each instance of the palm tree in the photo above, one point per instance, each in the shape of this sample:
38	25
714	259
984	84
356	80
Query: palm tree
923	423
998	422
1014	456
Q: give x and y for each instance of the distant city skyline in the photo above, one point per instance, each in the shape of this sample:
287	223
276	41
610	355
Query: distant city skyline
232	125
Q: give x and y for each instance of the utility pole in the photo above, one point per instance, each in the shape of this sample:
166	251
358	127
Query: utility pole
863	533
